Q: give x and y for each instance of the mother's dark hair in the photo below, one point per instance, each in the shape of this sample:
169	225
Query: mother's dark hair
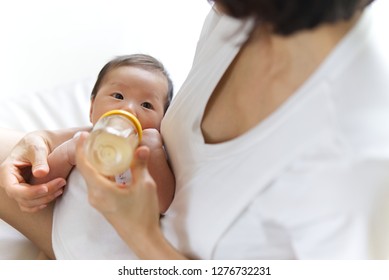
288	16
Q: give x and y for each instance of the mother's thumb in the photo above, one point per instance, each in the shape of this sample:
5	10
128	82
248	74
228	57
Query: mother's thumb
140	161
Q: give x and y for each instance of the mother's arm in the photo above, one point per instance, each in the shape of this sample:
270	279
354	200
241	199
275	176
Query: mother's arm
22	154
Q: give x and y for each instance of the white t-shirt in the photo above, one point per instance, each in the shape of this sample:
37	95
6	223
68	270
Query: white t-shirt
309	182
80	231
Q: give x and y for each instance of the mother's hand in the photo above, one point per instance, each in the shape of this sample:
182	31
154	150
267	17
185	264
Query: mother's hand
133	209
29	157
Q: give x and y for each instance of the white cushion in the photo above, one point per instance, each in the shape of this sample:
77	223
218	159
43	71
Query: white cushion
63	106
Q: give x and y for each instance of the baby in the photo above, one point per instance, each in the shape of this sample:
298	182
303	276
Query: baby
140	85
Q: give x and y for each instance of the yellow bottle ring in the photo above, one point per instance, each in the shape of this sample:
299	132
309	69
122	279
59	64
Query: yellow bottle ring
129	116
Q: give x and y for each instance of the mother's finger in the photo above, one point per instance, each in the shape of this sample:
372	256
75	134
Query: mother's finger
90	174
100	189
34	149
82	163
33	197
143	185
140	162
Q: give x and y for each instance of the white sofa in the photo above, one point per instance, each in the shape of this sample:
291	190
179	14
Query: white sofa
65	106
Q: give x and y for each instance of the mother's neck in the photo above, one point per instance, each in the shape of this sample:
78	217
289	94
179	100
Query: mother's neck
300	53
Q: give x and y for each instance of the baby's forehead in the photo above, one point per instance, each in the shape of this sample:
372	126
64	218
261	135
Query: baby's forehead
133	70
152	81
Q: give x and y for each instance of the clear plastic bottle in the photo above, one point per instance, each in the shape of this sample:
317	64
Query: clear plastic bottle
111	144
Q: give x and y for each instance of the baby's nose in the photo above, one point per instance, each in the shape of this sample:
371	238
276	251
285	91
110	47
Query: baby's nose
131	108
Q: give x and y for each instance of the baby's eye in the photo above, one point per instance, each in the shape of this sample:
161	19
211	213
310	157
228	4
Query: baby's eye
118	95
147	105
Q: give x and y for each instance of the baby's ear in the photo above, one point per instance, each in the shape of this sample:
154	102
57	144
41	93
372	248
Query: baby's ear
91	109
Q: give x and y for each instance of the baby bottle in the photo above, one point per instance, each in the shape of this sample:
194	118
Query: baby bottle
111	144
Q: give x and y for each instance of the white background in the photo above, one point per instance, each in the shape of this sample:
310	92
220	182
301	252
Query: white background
46	43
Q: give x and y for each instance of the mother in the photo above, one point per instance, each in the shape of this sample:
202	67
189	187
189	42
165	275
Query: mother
279	141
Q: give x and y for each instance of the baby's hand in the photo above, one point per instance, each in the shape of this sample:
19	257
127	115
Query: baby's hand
152	139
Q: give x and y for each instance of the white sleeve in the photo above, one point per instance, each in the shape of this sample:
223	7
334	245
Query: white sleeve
209	25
